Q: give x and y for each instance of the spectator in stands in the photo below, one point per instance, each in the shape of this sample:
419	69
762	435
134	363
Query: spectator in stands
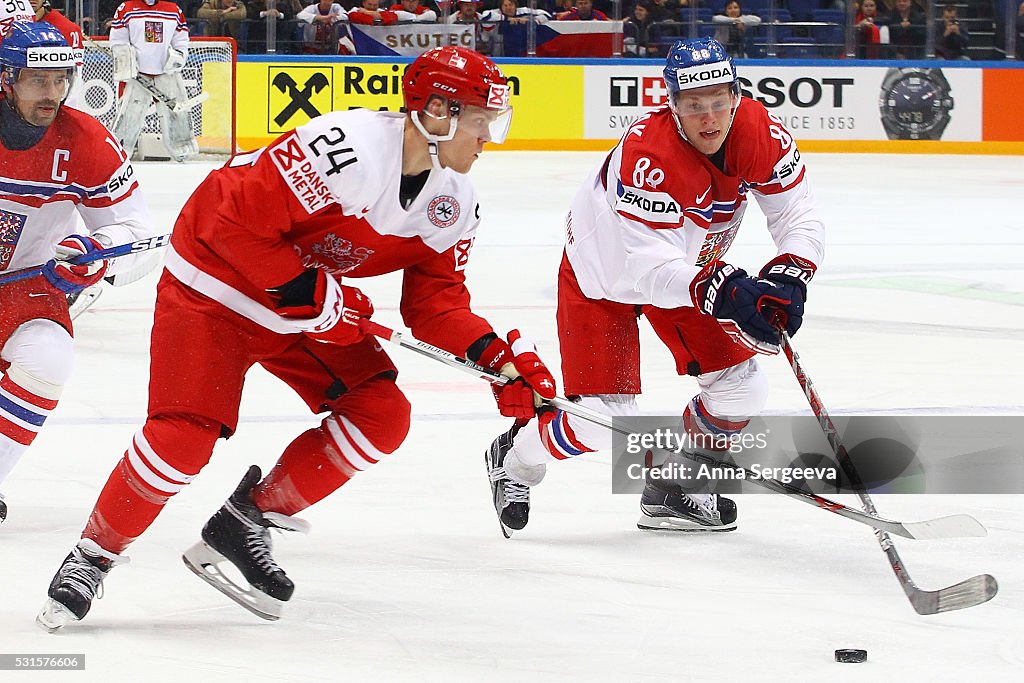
732	28
466	13
320	36
281	11
583	11
661	11
641	34
866	30
510	12
951	36
412	10
223	17
105	13
1020	31
906	31
369	13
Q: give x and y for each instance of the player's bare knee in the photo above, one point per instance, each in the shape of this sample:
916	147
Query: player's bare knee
41	357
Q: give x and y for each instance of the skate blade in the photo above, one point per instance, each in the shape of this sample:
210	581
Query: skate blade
649	523
54	616
204	562
86	298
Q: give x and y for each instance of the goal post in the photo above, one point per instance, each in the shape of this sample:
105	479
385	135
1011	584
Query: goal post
210	68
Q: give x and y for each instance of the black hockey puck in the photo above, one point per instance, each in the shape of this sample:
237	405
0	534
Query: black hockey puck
851	656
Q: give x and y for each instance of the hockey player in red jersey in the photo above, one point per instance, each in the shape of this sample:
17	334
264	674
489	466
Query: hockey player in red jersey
57	166
73	34
261	270
646	235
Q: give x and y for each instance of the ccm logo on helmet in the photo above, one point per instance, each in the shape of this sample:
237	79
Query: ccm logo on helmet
710	76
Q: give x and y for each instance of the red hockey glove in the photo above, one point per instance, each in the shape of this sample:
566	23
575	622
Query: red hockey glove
68	277
327	311
531	381
790	269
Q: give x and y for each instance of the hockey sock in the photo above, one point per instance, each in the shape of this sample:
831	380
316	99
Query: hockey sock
24	407
707	431
164	457
317	463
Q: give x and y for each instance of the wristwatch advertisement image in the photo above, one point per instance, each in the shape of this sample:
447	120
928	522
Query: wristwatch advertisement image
915	103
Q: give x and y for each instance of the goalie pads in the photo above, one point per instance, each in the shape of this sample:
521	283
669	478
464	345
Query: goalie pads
131	114
126	66
177	125
175	60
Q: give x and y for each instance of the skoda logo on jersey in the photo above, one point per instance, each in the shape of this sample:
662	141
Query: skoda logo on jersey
704	75
50	58
443	211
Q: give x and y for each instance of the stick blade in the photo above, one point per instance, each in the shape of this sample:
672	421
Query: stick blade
952	526
968	593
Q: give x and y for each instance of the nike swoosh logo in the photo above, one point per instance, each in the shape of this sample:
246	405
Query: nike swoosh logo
700	197
43	294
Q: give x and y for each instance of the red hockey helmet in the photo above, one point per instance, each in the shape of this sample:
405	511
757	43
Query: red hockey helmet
461	76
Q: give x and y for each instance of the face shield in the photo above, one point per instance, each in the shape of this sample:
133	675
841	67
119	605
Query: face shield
43	84
491	125
704	101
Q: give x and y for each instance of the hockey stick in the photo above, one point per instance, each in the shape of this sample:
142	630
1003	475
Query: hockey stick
967	593
108	253
172	104
953	526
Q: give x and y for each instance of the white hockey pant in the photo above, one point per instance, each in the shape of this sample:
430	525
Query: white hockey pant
41	357
177	126
131	114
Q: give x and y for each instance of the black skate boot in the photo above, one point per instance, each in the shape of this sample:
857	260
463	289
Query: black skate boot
511	499
240	534
77	582
3	509
665	506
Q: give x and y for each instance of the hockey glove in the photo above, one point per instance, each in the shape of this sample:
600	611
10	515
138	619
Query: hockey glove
531	381
327	311
789	269
175	60
746	305
68	277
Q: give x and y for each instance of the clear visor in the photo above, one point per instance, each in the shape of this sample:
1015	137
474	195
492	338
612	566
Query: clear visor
486	124
695	103
44	84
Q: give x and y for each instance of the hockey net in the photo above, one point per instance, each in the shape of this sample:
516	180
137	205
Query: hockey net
210	68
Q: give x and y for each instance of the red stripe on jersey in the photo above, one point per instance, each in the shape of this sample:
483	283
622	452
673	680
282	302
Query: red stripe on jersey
16	433
8	385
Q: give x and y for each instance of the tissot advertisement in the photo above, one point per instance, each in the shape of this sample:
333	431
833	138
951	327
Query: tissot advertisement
829	103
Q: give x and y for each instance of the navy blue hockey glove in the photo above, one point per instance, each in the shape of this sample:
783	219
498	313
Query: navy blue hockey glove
795	271
746	306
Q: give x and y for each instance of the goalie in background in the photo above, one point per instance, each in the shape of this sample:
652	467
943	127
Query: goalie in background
149	40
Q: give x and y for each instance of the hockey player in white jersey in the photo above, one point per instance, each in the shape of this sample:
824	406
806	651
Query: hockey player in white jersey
149	40
12	11
645	235
57	165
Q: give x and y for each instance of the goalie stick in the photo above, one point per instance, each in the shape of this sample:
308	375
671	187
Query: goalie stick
968	593
108	253
953	526
176	106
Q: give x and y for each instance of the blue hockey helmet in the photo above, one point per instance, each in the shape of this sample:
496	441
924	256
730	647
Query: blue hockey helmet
696	63
34	45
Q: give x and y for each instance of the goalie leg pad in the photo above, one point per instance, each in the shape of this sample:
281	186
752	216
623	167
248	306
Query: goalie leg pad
126	66
131	114
177	125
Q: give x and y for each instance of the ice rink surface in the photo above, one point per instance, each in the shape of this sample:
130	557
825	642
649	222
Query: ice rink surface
919	308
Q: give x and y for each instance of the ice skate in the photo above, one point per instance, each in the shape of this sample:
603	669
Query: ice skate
3	509
239	533
511	498
79	302
77	582
664	506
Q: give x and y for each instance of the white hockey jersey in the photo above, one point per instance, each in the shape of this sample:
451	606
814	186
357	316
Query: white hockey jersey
656	210
12	11
76	168
151	31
